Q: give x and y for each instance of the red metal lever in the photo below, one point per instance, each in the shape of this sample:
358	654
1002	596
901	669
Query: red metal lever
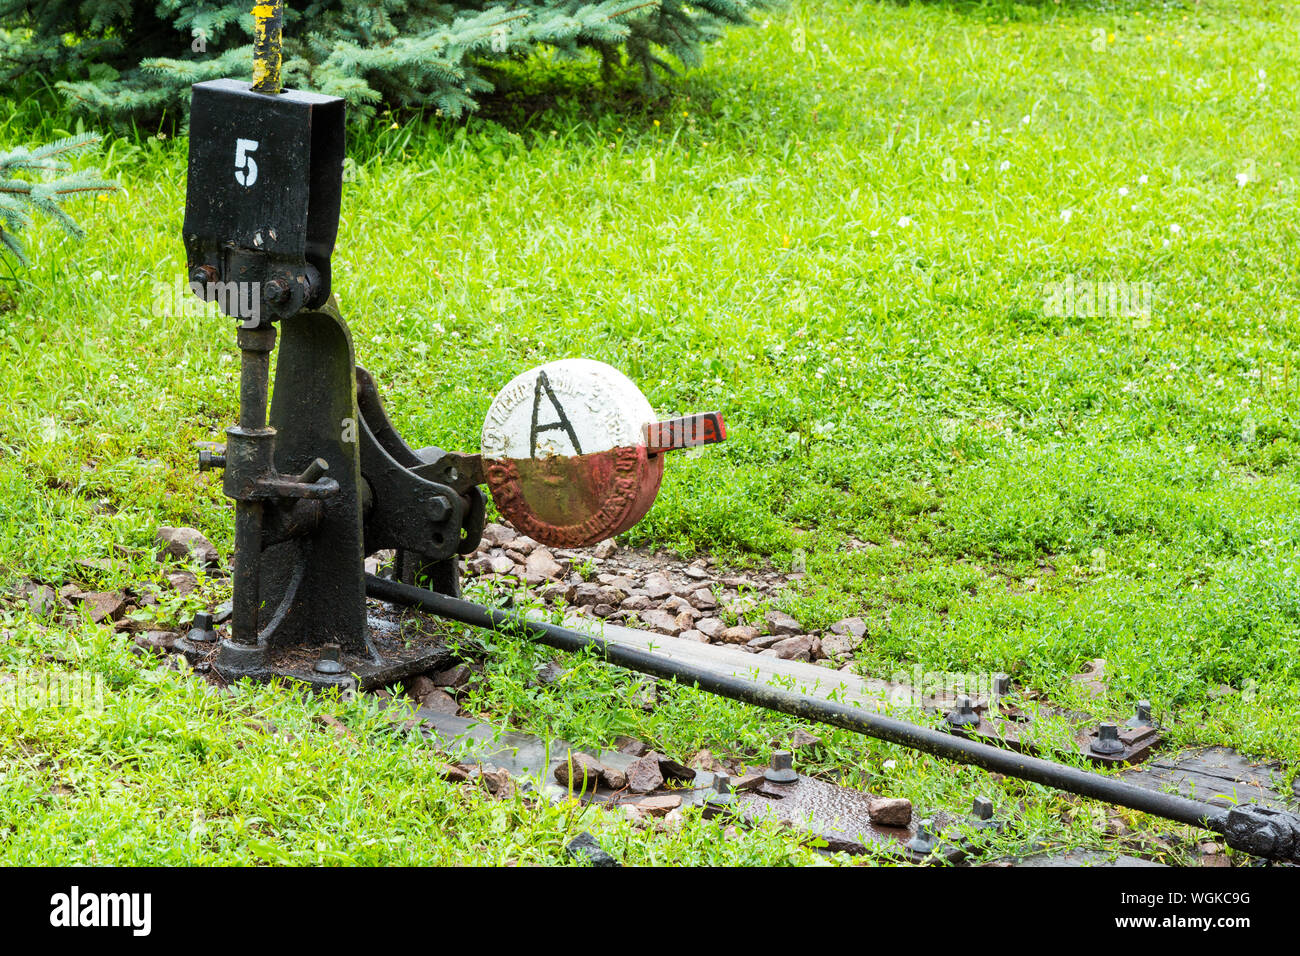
689	431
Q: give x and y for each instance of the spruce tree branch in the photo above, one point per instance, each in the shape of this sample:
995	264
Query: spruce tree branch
71	145
627	10
88	188
371	52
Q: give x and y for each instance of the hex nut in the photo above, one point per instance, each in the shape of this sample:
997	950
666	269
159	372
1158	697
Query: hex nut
782	768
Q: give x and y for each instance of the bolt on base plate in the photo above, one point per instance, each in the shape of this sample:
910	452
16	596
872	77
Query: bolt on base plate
964	715
782	768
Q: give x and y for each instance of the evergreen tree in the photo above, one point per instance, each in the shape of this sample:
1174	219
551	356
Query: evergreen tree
138	60
58	183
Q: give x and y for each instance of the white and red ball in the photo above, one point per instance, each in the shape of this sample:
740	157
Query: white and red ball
565	456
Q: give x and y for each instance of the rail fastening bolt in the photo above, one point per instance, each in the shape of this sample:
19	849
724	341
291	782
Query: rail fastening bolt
982	808
329	662
208	460
201	630
965	714
720	795
313	471
782	768
1001	685
1107	741
923	842
278	291
1141	715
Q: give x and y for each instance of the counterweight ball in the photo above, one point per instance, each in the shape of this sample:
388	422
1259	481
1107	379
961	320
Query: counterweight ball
565	455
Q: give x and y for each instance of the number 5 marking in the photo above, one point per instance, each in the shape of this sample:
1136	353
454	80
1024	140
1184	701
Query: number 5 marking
245	165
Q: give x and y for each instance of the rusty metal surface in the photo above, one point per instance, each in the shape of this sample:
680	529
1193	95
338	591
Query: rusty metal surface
564	454
1083	858
390	652
1139	742
573	501
1257	830
839	816
571	451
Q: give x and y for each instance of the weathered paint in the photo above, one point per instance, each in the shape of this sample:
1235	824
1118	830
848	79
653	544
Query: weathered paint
572	451
569	407
267	24
564	453
573	501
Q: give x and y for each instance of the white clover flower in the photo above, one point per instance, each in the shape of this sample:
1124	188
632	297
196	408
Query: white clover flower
1025	120
1175	228
1067	215
1243	178
1005	165
1143	179
1123	190
904	221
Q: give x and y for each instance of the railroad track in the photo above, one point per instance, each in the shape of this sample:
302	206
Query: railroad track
1262	830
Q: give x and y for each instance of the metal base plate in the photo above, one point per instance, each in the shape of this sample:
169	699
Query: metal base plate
400	644
1014	729
837	815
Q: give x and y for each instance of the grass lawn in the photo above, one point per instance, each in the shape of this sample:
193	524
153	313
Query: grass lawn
845	232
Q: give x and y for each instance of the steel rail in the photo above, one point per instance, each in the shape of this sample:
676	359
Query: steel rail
795	704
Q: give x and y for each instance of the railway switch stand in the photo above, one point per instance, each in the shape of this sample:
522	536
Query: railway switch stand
572	452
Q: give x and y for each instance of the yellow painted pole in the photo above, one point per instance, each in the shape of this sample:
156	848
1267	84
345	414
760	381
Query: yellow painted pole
268	22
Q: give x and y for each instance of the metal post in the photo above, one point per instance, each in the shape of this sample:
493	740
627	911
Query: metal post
246	447
268	22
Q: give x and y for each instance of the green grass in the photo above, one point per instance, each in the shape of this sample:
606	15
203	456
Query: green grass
843	245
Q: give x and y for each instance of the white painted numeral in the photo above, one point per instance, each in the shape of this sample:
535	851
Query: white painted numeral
245	165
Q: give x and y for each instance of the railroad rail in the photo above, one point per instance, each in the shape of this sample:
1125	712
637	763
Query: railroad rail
1262	831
